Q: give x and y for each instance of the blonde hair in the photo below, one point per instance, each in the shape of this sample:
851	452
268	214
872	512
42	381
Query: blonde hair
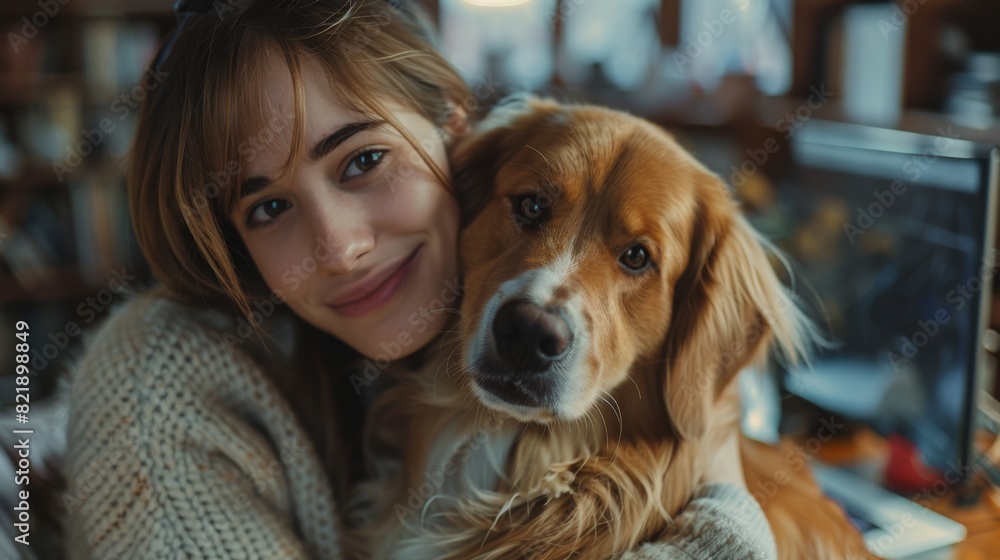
185	168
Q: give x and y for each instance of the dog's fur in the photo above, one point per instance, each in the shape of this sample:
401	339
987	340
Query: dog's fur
599	455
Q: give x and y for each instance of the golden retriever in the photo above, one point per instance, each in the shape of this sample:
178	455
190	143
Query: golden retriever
613	291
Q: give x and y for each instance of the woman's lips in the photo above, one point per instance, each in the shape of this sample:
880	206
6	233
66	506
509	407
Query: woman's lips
382	294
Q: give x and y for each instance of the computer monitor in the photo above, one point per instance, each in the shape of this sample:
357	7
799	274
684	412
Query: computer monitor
893	233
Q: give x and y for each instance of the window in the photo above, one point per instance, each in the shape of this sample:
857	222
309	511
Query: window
512	44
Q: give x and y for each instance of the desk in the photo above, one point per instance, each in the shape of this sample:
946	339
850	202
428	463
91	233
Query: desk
982	520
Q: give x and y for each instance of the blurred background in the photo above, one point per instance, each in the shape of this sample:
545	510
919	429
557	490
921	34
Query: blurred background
739	81
730	76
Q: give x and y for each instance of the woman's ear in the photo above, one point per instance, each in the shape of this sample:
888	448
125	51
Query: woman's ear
729	310
456	125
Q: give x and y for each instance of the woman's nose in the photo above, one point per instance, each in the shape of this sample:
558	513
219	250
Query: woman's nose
343	237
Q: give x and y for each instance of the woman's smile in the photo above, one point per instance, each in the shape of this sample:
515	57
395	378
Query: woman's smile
373	292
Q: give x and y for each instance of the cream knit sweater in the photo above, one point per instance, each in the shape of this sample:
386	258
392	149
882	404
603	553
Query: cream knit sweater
181	446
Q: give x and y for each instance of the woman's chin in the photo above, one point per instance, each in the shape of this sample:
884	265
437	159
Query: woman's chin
398	343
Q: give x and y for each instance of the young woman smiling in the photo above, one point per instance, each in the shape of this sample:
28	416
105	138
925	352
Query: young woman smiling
290	173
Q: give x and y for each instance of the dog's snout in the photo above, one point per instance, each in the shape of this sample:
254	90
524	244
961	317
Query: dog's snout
528	337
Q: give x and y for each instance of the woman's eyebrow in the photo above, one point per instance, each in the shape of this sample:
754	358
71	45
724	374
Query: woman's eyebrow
252	185
323	147
338	136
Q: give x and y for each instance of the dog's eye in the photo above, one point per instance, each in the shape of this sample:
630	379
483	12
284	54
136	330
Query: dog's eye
635	258
531	209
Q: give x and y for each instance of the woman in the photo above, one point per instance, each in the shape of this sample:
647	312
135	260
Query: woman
291	171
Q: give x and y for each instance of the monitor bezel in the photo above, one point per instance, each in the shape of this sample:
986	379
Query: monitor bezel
875	139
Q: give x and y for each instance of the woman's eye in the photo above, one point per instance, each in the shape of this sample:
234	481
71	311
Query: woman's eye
363	163
635	258
262	214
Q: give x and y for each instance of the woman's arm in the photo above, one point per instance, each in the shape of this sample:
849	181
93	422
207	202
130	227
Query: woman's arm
179	447
722	520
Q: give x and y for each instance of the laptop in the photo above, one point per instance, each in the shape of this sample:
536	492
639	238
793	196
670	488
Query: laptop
892	526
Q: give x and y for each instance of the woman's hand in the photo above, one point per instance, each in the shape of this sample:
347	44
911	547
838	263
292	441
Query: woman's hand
725	464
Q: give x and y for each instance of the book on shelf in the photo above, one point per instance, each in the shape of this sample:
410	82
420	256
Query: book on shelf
101	226
33	251
116	52
51	127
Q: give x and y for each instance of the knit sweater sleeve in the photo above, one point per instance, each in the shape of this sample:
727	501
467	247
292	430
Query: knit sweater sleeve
179	446
721	522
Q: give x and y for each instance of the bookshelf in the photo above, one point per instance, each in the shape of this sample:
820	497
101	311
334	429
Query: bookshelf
66	241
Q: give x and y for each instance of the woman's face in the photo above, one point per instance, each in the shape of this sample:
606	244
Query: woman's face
361	239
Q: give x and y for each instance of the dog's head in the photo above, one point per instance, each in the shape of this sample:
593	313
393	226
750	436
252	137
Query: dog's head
592	244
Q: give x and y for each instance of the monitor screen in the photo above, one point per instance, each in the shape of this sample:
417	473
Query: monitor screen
888	233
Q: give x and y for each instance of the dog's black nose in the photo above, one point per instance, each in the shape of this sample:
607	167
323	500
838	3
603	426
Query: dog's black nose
528	337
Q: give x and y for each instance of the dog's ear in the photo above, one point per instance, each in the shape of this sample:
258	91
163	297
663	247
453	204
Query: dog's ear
476	158
729	310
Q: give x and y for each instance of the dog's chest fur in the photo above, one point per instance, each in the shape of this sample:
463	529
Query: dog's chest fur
451	479
427	454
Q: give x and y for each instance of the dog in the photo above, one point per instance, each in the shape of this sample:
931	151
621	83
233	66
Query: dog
612	292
